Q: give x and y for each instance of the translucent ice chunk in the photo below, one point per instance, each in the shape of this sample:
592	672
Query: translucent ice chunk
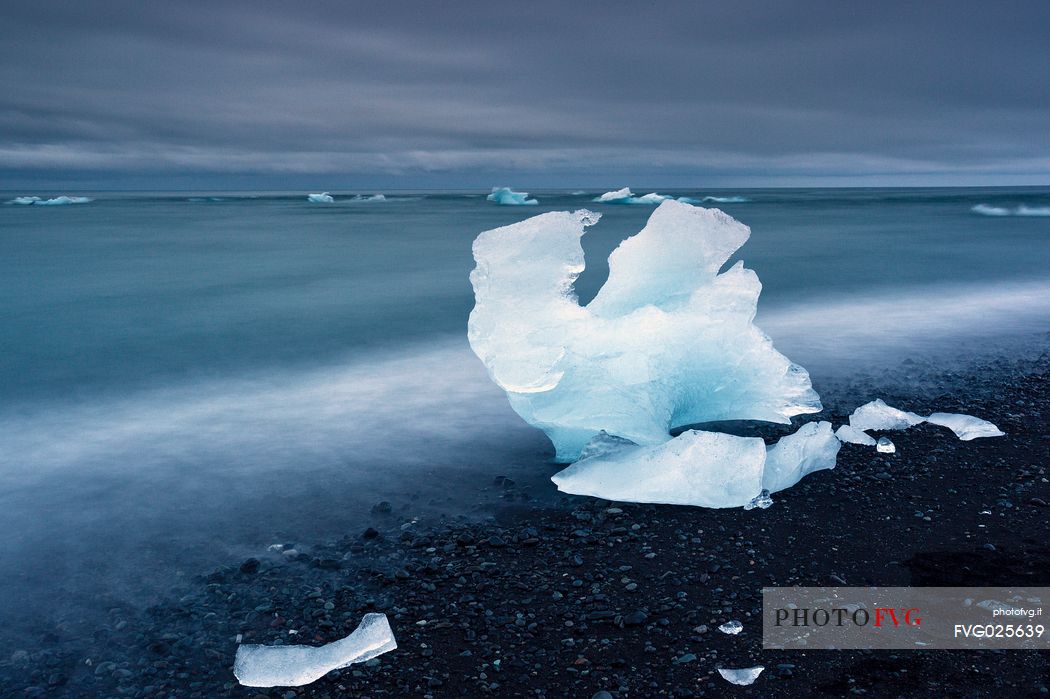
731	627
885	446
294	666
709	469
852	435
743	676
323	198
667	342
965	427
508	197
876	415
604	443
813	447
626	196
762	501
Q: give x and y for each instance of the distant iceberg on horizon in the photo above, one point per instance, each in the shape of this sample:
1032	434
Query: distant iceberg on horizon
57	201
626	196
508	197
987	210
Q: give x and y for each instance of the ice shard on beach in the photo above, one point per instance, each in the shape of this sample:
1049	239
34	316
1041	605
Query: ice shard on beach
742	676
848	434
965	427
667	342
812	448
876	415
294	666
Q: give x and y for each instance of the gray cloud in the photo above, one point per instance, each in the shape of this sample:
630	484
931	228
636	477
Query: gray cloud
546	92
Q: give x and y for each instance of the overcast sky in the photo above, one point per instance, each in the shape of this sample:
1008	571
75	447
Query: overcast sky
466	94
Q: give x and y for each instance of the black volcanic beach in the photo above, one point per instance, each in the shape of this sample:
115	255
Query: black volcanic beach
538	594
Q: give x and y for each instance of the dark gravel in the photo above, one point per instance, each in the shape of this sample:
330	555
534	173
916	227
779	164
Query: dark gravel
589	598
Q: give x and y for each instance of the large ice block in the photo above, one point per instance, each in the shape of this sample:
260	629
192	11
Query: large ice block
294	666
705	469
709	469
667	342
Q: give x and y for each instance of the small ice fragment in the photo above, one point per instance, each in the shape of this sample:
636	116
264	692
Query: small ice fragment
762	501
813	447
23	201
57	201
294	666
508	197
876	415
851	435
965	427
731	627
742	676
372	197
885	446
626	196
323	198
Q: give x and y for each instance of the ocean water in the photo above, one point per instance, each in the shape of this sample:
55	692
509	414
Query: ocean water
186	378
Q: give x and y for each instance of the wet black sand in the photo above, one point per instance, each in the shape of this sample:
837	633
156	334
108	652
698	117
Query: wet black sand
556	596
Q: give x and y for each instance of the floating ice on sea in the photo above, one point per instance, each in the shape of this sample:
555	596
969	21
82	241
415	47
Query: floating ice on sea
372	197
57	201
876	415
727	200
885	446
323	198
762	501
708	469
965	427
668	341
508	197
742	676
617	196
813	447
852	435
986	210
626	196
731	627
294	666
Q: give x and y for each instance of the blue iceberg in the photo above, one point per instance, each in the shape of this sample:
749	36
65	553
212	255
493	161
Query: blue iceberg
667	342
508	197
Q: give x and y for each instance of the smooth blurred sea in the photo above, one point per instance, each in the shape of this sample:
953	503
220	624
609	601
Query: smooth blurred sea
186	378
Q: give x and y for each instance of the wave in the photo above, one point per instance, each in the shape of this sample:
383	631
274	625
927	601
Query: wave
57	201
727	200
986	210
508	197
927	322
371	197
